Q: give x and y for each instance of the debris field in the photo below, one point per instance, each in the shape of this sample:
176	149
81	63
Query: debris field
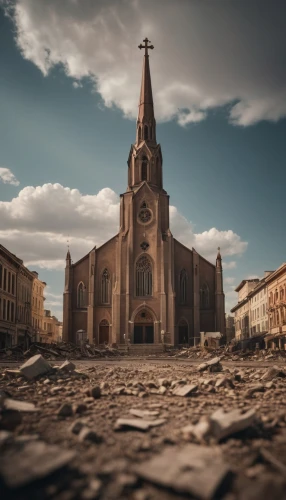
142	431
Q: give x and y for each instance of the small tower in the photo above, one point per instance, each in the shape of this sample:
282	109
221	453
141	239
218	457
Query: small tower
67	302
219	296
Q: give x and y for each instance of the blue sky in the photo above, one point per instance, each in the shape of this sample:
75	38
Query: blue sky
68	111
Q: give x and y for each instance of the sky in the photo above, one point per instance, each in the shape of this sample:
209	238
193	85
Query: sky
69	88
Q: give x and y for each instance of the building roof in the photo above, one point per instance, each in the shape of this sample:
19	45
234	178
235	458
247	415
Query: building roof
243	282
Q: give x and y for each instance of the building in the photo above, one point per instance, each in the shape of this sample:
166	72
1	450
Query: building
143	284
229	327
258	308
15	300
38	299
276	291
52	328
242	309
9	265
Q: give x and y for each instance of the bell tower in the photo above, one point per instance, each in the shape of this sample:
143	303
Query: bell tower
145	158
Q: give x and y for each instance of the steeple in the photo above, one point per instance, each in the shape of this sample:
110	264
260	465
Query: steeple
145	157
68	259
146	124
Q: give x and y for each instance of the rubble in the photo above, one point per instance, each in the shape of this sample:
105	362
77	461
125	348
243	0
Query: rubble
31	462
184	470
35	366
82	410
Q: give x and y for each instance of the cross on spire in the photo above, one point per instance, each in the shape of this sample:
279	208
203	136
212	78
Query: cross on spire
146	46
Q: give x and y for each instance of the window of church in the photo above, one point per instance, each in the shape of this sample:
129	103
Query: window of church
105	287
183	286
204	296
81	296
144	168
139	134
143	277
143	205
145	132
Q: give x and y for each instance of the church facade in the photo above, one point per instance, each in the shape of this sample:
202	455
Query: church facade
143	284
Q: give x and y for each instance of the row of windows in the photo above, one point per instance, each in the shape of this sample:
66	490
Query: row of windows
36	323
7	310
277	295
258	311
258	296
143	286
37	302
278	317
7	280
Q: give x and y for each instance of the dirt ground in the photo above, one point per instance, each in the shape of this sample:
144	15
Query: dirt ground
78	411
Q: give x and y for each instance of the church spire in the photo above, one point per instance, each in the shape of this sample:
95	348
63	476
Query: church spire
146	124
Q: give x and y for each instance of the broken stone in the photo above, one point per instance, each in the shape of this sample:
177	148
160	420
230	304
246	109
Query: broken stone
35	366
13	404
253	389
35	460
95	392
5	436
184	470
225	424
80	408
273	372
185	390
224	382
65	410
67	366
76	427
87	434
162	389
143	413
212	365
137	424
200	430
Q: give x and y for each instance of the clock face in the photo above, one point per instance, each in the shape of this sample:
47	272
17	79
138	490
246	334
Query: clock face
145	215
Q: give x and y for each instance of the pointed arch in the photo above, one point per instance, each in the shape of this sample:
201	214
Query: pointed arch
144	168
145	132
204	296
105	287
81	295
143	278
183	286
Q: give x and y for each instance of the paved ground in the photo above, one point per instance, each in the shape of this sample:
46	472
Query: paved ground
110	460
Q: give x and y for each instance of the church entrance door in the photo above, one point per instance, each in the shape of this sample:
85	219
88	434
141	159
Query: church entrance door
183	332
103	332
143	328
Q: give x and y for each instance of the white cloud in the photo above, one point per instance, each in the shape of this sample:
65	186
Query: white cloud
218	55
229	265
37	223
77	85
229	280
7	177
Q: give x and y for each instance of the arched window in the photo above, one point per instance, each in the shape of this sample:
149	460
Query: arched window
81	302
271	298
204	296
145	132
105	287
139	134
144	168
183	286
143	277
151	132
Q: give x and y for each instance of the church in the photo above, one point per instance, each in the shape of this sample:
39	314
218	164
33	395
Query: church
143	285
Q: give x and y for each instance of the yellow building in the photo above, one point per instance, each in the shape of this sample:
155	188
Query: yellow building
52	328
38	306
